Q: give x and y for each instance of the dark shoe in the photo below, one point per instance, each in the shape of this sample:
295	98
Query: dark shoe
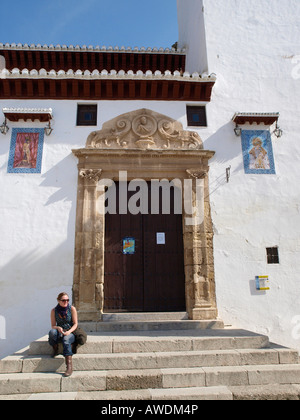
55	351
69	364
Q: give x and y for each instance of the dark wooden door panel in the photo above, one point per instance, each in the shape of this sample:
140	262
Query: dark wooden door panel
163	264
153	278
123	286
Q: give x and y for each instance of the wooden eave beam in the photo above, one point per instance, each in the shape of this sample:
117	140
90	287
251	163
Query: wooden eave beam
18	88
91	60
41	89
131	89
143	89
102	89
64	88
121	89
153	90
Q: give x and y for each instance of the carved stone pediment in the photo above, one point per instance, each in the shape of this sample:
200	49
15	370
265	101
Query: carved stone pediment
144	129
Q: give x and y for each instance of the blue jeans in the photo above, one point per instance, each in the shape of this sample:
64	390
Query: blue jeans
55	337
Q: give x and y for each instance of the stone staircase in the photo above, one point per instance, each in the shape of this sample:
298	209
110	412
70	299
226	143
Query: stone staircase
164	359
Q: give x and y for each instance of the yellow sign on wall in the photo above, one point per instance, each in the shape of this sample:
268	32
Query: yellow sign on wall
262	283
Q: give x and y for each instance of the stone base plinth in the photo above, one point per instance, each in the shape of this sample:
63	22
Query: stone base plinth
204	314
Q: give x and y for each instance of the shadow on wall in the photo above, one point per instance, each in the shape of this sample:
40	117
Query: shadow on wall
29	319
29	285
228	148
66	171
31	280
226	144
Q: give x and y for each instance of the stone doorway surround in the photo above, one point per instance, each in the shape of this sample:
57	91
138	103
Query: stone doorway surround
148	146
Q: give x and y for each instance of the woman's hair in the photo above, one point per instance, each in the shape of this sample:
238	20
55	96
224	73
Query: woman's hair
61	295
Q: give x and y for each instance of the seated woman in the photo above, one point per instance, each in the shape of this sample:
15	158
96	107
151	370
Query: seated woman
64	322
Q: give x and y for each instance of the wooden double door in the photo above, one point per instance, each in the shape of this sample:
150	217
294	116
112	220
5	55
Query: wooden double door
144	260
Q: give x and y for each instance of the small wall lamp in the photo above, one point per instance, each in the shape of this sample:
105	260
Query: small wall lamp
228	174
48	130
4	127
238	131
278	131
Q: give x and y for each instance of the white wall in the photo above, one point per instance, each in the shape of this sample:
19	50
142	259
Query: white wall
191	31
37	214
252	47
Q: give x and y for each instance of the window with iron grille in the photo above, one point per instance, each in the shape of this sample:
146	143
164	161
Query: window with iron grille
87	115
273	255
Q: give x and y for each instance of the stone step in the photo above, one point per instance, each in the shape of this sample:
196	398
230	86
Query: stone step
150	360
29	383
249	392
199	340
145	316
173	394
273	392
179	394
161	325
148	364
160	380
52	396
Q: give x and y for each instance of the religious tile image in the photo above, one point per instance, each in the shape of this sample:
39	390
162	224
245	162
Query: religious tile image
26	150
258	152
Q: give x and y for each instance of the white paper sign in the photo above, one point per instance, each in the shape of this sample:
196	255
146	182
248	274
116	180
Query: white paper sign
161	238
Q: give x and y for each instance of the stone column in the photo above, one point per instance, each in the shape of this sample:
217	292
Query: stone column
199	268
89	248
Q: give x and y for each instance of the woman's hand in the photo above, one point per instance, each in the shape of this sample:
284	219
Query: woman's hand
66	333
60	330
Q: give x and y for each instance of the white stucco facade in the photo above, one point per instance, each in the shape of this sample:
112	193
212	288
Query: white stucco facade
253	48
38	214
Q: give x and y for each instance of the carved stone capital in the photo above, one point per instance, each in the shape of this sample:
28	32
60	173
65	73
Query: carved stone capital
196	173
93	175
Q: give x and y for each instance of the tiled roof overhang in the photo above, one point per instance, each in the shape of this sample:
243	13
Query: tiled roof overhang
90	58
243	118
17	114
106	85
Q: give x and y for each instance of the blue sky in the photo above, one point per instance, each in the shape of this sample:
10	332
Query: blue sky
141	23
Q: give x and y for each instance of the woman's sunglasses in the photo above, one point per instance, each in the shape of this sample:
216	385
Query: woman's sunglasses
65	300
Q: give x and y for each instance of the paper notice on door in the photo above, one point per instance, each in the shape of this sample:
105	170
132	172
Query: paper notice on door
160	238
